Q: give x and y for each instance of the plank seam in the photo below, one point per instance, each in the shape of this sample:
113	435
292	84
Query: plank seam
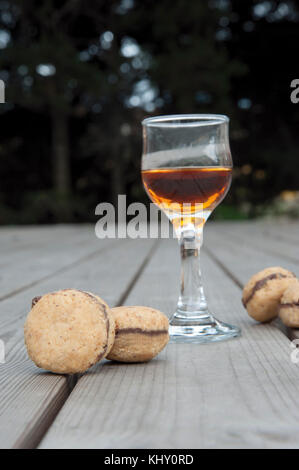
290	333
124	296
35	437
223	267
32	439
271	251
59	271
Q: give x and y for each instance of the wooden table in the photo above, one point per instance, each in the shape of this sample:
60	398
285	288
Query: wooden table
239	393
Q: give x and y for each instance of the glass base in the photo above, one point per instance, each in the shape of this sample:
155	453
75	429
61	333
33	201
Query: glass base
198	331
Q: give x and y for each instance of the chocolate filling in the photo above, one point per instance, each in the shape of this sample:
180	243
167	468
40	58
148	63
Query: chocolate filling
292	304
141	331
259	284
35	300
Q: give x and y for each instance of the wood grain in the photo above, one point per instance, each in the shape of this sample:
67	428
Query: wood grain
46	254
263	237
254	251
29	397
241	393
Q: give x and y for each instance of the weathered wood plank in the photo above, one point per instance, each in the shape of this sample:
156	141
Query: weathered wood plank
29	397
45	256
240	393
259	235
240	254
243	259
19	237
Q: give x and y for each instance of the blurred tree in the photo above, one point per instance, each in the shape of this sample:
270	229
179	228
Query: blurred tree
64	61
90	71
45	70
187	62
264	35
152	65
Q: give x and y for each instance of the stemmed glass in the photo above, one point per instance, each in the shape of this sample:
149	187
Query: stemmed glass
186	171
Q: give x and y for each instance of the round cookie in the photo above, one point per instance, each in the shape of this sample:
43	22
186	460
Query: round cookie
140	334
288	309
68	331
262	293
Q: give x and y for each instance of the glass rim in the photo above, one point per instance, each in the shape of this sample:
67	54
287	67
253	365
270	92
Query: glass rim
192	120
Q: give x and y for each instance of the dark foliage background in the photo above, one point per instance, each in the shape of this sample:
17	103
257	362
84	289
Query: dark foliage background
80	76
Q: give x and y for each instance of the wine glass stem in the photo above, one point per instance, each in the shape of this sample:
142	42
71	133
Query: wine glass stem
192	304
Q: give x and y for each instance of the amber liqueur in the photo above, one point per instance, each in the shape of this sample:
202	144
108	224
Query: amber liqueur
189	185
